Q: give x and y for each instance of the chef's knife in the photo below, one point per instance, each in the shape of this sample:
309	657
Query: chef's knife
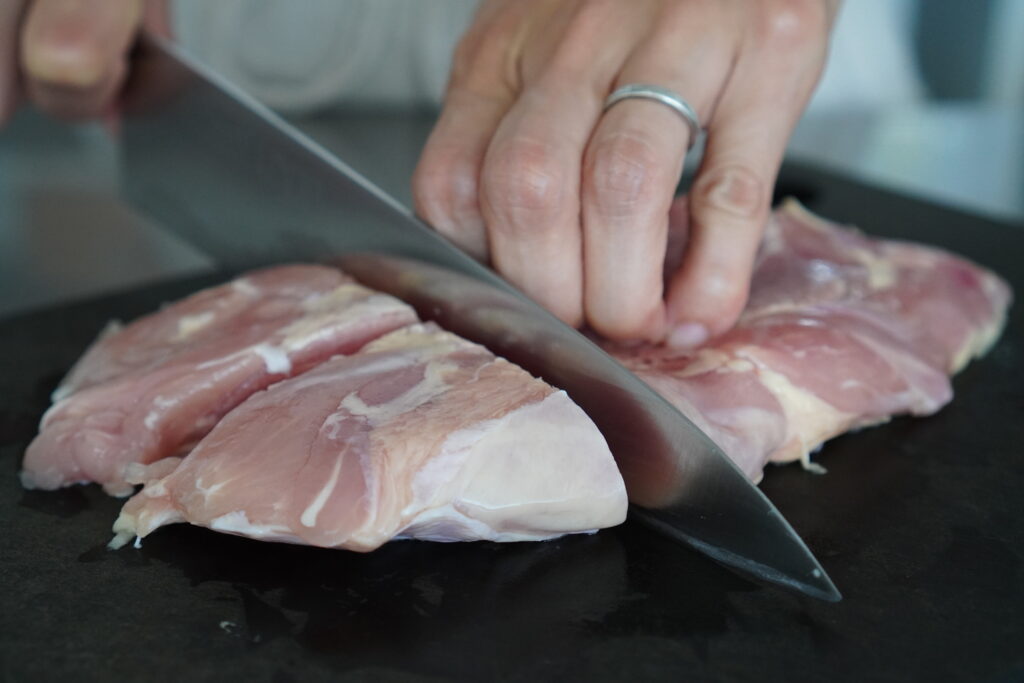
212	165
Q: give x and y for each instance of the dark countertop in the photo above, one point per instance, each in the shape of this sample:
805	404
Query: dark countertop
919	522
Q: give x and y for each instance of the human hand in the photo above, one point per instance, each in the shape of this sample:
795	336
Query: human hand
570	202
69	57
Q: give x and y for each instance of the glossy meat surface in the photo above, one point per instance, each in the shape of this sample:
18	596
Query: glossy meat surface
419	435
841	331
153	388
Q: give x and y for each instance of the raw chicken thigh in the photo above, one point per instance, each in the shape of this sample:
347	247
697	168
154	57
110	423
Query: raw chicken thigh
155	387
419	435
841	331
381	427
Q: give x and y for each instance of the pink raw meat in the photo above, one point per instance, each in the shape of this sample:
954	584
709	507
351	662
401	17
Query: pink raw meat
419	435
841	331
155	387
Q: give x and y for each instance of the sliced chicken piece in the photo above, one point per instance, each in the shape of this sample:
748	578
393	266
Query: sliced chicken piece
419	435
152	389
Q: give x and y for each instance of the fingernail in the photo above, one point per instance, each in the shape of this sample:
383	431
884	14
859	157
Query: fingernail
688	336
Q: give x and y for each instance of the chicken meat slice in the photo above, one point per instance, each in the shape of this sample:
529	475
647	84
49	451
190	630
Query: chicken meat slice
153	388
841	331
421	434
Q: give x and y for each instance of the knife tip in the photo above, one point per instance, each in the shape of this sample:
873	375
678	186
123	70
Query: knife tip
820	586
799	572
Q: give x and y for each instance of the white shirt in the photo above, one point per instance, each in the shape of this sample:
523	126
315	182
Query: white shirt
309	54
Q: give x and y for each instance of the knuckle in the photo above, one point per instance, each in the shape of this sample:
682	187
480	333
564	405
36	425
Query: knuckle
574	52
482	60
594	14
735	190
677	18
444	186
524	180
429	194
787	25
465	59
465	49
623	172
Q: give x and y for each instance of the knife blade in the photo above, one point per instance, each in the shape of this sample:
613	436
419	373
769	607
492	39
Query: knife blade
228	175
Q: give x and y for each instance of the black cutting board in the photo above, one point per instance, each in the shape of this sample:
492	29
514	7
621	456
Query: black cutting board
919	523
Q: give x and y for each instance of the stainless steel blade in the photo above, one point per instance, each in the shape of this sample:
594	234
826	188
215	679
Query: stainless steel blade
231	177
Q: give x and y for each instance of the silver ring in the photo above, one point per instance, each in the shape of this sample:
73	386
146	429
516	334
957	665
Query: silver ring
658	94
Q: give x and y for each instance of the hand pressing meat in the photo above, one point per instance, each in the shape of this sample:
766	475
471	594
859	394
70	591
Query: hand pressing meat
527	166
421	434
570	197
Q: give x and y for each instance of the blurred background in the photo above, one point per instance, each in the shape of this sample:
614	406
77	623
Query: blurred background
925	97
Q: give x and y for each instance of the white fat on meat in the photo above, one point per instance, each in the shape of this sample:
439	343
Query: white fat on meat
841	331
153	388
419	435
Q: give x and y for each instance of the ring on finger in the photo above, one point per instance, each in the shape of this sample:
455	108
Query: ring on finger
657	93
